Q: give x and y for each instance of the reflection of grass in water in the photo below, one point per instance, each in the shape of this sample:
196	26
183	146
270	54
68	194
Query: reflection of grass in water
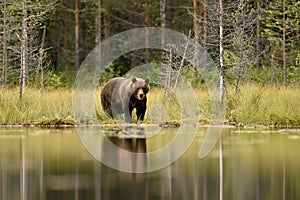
252	105
165	136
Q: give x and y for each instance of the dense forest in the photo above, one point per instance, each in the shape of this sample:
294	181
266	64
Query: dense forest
43	42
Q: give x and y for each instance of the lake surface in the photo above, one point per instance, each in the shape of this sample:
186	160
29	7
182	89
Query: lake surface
40	164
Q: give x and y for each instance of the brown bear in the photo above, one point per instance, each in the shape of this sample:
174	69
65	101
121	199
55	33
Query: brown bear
120	95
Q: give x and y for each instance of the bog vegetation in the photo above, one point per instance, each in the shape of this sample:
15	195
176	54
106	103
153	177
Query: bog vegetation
253	106
254	44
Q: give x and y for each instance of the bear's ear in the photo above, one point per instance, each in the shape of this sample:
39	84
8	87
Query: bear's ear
147	80
133	79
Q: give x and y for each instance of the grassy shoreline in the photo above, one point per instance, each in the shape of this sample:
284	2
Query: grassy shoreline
252	106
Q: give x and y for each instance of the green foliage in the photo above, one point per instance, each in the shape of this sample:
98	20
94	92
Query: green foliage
109	72
239	40
67	76
294	71
55	82
277	17
153	71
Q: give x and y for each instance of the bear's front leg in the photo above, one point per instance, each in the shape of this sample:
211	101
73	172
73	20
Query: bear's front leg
128	114
140	114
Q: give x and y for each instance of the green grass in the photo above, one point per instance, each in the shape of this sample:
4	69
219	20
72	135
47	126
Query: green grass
253	105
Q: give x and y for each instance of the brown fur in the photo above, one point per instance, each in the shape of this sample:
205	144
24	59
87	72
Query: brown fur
121	95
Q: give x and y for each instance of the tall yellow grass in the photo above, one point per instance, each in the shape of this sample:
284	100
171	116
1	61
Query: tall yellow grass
264	105
252	105
34	105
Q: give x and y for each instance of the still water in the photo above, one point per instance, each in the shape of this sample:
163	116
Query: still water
40	164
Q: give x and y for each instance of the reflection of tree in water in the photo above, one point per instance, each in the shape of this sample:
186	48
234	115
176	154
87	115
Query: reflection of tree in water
39	166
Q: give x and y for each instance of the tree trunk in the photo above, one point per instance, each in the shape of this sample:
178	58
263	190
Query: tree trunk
257	39
24	41
4	45
274	76
77	26
204	24
148	24
98	34
65	41
284	43
108	23
196	4
168	70
40	66
222	67
181	64
99	28
162	4
241	55
240	72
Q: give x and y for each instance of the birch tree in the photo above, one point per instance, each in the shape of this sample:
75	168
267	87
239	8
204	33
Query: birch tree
221	46
24	49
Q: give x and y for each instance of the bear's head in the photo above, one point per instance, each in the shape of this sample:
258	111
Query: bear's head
140	87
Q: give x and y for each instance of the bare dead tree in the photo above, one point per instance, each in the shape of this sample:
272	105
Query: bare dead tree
243	22
175	63
24	50
168	69
4	47
41	55
181	63
222	65
228	30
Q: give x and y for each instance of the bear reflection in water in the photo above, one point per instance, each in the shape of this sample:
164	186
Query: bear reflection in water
121	95
131	139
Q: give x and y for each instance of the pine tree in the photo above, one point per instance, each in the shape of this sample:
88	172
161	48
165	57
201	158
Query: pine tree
280	23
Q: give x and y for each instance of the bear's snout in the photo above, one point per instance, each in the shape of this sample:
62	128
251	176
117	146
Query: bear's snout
140	94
